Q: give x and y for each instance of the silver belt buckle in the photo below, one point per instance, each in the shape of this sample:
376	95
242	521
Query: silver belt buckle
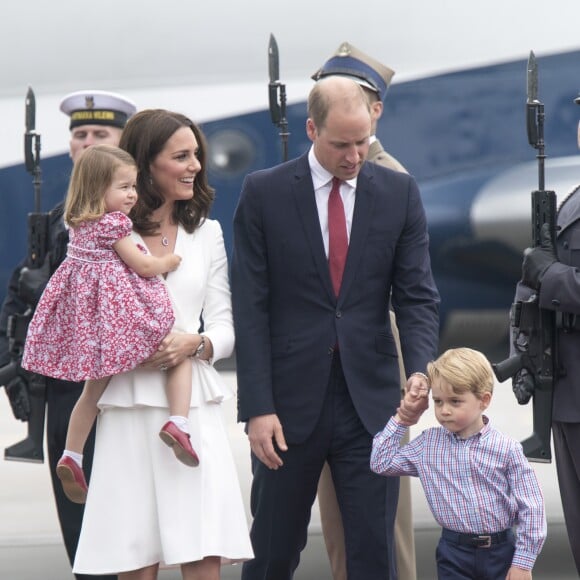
486	539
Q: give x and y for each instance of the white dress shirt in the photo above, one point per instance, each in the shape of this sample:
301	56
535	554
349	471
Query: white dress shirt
322	180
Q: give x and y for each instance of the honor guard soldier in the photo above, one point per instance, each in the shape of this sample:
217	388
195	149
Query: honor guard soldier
96	117
375	78
552	273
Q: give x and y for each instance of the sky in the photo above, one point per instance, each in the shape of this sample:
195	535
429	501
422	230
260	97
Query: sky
59	46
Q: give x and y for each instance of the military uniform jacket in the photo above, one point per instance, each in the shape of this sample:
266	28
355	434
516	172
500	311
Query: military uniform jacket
560	291
378	155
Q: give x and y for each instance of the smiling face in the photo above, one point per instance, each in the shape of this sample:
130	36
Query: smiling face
174	169
460	413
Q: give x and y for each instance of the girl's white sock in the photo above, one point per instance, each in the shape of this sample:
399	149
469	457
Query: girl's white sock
78	457
181	422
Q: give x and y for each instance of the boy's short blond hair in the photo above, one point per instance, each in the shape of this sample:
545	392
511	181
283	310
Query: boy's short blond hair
464	369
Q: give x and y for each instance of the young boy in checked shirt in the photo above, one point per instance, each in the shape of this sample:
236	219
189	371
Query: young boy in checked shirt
477	481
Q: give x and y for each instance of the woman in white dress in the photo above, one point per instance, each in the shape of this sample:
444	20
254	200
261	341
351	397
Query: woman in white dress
143	507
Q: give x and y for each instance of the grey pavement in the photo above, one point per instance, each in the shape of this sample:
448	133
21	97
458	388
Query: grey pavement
47	561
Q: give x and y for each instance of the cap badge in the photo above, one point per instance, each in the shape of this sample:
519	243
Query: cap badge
89	102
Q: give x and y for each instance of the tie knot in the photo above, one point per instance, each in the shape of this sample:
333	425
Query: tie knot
335	184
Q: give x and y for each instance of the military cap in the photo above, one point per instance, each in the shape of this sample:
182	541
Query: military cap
349	61
97	108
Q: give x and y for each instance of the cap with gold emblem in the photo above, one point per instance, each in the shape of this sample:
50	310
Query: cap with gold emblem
97	108
349	61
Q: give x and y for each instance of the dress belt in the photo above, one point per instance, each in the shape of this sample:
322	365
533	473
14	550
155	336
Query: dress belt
477	540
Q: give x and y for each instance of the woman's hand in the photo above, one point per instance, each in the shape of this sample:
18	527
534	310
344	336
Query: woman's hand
174	348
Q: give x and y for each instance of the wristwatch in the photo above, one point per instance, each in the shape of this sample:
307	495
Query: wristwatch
200	348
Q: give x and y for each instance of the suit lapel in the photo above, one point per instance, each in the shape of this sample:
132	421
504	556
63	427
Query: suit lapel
303	191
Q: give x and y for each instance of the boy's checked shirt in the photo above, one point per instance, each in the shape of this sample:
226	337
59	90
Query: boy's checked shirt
480	485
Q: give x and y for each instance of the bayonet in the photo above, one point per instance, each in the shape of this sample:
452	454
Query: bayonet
277	110
30	106
532	78
30	124
273	60
534	108
274	85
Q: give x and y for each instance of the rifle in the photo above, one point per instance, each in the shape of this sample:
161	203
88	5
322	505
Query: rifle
533	367
27	391
277	111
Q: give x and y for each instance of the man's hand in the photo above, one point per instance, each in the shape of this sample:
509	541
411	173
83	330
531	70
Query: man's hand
537	260
263	431
416	400
515	573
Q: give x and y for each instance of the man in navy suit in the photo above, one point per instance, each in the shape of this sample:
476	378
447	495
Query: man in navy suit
317	364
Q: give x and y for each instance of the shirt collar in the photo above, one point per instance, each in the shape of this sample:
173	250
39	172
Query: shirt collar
320	176
484	431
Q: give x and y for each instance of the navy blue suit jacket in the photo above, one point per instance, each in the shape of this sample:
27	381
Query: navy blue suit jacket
287	318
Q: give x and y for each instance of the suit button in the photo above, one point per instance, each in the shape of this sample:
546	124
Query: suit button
338	314
330	350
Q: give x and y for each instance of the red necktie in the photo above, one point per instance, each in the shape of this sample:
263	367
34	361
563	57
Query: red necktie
337	236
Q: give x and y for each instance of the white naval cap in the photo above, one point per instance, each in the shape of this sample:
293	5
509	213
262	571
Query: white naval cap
92	107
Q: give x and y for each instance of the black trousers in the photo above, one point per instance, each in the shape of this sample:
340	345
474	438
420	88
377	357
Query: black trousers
60	400
567	452
281	500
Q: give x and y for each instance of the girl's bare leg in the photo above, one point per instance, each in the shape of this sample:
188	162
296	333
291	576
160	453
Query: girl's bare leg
175	433
206	569
178	388
148	573
84	414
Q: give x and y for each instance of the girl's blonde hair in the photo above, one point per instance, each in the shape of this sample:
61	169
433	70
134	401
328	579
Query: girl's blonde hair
92	175
464	369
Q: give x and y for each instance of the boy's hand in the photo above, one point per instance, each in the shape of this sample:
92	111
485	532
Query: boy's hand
515	573
410	410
